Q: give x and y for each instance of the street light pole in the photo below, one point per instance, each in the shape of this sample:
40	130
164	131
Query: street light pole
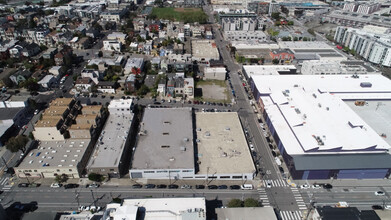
77	198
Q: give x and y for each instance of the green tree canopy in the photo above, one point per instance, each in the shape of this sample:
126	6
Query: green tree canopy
233	203
17	143
96	177
250	202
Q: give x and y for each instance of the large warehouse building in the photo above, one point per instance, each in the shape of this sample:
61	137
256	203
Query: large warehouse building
174	143
332	126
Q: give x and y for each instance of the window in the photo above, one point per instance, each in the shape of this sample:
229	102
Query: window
149	171
58	170
70	170
102	169
35	170
237	177
224	177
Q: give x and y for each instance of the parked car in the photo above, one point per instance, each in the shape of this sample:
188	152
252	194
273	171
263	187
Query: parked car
305	186
213	187
223	187
234	187
137	186
55	185
23	185
150	186
173	186
185	187
94	185
377	207
379	193
71	185
316	186
161	186
327	186
200	187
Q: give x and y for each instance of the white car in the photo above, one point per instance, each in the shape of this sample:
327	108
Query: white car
388	207
316	186
379	193
305	186
268	184
252	147
36	111
55	185
185	187
81	208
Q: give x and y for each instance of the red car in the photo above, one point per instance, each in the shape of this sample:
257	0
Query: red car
244	84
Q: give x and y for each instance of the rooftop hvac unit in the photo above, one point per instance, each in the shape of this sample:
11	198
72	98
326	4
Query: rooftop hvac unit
227	128
183	148
172	159
207	133
198	140
185	139
198	129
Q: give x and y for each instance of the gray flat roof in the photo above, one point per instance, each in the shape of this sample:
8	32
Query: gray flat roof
358	63
9	113
248	213
377	114
330	55
50	154
343	161
222	146
320	50
111	142
163	134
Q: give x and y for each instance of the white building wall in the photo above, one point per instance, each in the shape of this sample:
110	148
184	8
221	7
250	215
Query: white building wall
376	54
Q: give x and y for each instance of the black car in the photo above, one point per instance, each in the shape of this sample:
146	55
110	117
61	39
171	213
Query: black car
150	186
71	186
234	187
23	185
161	186
213	187
377	207
137	186
327	186
223	187
200	187
173	186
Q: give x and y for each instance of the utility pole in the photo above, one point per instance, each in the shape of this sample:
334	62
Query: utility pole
92	194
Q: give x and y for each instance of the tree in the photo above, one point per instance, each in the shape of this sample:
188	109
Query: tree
61	178
96	177
275	61
290	23
305	39
295	39
30	84
276	15
233	203
250	202
100	54
136	70
14	144
143	90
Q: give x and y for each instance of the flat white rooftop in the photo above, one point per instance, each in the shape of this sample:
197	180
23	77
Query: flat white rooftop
222	146
310	116
267	69
304	45
170	208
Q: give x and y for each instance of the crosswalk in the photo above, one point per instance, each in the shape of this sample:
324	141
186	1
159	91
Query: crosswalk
298	198
276	183
291	215
4	183
263	197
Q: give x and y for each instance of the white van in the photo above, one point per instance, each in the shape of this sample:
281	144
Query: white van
247	186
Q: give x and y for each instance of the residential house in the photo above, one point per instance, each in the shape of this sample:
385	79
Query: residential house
39	74
134	65
31	50
62	55
112	45
106	87
48	81
117	36
92	74
16	51
161	86
49	53
57	71
84	84
93	33
20	76
111	16
130	83
81	44
170	87
184	87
